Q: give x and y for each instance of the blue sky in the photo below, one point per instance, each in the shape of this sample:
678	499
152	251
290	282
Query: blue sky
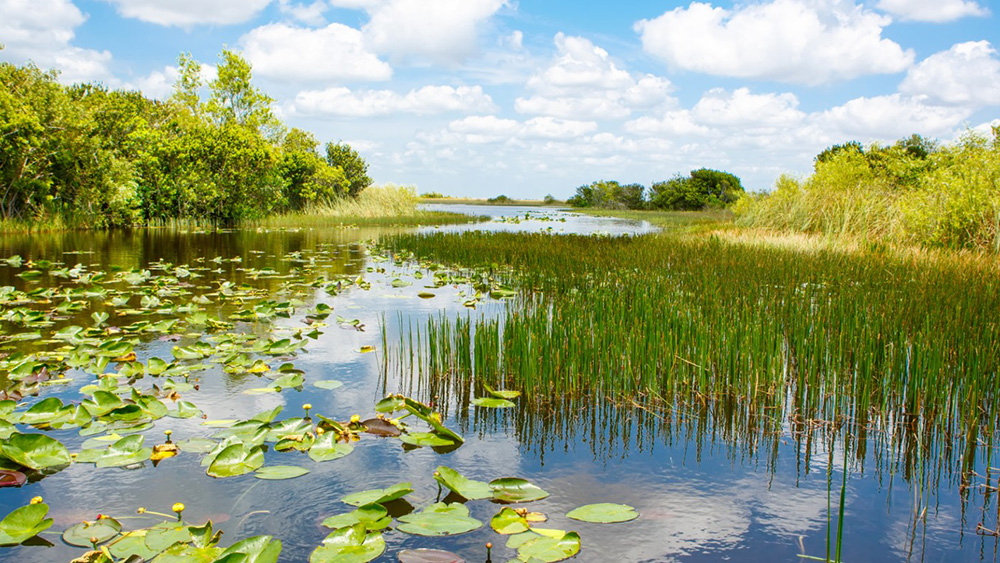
532	97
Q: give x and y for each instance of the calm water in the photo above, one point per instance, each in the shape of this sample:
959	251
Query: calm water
706	491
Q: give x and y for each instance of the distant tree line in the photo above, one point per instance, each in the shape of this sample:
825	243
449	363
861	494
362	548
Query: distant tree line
108	158
701	189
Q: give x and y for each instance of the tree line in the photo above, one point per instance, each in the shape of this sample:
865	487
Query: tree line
701	189
90	156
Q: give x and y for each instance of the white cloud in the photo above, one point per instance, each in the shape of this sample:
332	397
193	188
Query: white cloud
675	123
932	10
551	128
889	117
443	31
159	84
741	108
187	13
584	82
331	53
42	31
799	41
310	14
967	74
369	103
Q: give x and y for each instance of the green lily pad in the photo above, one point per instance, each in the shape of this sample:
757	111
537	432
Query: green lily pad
326	448
439	519
258	549
492	403
24	523
165	534
35	451
349	545
428	439
237	459
603	513
126	451
374	516
511	489
102	530
280	472
328	384
502	393
379	496
550	550
458	483
508	522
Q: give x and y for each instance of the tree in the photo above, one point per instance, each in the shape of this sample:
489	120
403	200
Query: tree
355	168
188	84
610	195
308	178
235	99
702	188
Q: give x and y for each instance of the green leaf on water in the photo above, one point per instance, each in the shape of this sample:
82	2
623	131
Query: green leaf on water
459	484
603	513
126	451
512	489
102	530
550	550
258	549
36	451
280	472
328	384
373	516
439	519
379	496
508	522
24	523
492	403
428	439
237	459
349	545
326	448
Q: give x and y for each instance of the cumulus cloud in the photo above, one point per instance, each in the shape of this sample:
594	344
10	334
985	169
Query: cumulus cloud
741	108
584	82
187	13
967	74
370	103
42	31
890	117
443	31
937	11
310	14
796	41
332	53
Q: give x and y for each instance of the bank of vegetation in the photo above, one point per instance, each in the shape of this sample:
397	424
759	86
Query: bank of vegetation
88	156
913	192
701	189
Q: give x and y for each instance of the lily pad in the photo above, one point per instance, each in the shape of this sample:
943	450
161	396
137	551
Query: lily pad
35	451
603	513
373	516
550	550
379	496
458	483
236	459
24	523
379	427
126	451
349	545
258	549
508	522
280	472
11	478
439	519
512	489
328	384
428	439
492	403
102	530
326	448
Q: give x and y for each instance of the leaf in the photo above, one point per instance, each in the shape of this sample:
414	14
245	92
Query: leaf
11	478
511	489
379	496
373	516
424	555
503	393
328	384
428	439
439	519
280	472
458	483
126	451
349	545
327	449
258	549
235	460
102	530
492	403
603	513
508	522
24	523
379	427
35	451
550	550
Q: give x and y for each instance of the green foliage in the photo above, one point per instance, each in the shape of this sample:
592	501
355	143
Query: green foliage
704	188
355	169
609	194
911	192
499	199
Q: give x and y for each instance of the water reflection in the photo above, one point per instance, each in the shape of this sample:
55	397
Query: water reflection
523	219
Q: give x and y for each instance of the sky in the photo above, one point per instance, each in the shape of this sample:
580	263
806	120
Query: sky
536	97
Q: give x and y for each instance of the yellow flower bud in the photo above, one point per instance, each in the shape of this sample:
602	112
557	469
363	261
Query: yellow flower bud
355	419
307	406
178	507
36	500
141	510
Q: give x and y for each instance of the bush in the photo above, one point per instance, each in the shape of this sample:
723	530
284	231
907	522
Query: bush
355	168
702	189
609	195
499	199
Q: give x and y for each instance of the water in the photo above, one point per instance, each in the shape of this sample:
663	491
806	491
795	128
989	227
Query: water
517	219
706	491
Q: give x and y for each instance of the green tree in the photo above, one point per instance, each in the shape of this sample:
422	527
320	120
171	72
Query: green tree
702	188
236	100
342	156
189	82
308	178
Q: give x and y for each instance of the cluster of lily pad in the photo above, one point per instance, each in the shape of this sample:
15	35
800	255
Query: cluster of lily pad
357	536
